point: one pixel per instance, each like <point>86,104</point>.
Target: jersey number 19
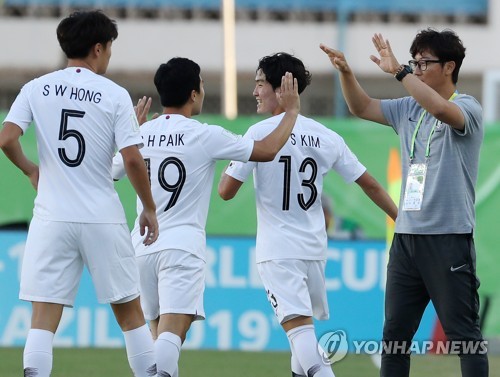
<point>176,187</point>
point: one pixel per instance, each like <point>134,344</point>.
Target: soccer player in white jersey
<point>80,119</point>
<point>181,154</point>
<point>291,235</point>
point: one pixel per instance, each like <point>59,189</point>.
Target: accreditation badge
<point>414,190</point>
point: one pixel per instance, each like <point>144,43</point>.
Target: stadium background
<point>234,296</point>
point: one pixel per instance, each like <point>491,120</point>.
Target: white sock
<point>37,357</point>
<point>167,351</point>
<point>296,367</point>
<point>140,351</point>
<point>305,348</point>
<point>297,370</point>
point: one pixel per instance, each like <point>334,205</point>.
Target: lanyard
<point>414,137</point>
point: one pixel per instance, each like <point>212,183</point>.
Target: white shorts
<point>172,282</point>
<point>295,287</point>
<point>57,251</point>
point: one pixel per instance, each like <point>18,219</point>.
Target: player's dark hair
<point>275,66</point>
<point>446,45</point>
<point>81,31</point>
<point>175,79</point>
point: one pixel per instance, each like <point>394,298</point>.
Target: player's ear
<point>99,48</point>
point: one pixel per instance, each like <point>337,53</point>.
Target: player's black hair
<point>446,45</point>
<point>175,80</point>
<point>82,30</point>
<point>275,66</point>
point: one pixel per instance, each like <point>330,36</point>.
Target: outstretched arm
<point>9,143</point>
<point>377,194</point>
<point>358,101</point>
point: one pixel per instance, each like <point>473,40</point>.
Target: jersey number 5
<point>64,134</point>
<point>309,183</point>
<point>176,187</point>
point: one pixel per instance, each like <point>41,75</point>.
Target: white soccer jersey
<point>290,220</point>
<point>80,119</point>
<point>180,154</point>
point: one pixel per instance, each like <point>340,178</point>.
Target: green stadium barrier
<point>237,217</point>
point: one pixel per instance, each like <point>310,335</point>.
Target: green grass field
<point>91,362</point>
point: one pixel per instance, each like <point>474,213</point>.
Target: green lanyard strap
<point>414,137</point>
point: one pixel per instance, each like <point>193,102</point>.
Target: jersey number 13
<point>309,182</point>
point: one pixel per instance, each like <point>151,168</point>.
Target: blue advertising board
<point>239,316</point>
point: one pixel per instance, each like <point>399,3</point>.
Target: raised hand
<point>142,110</point>
<point>288,96</point>
<point>387,61</point>
<point>336,57</point>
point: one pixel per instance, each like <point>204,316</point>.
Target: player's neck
<point>82,64</point>
<point>184,110</point>
<point>278,110</point>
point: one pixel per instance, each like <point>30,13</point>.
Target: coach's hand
<point>336,57</point>
<point>387,61</point>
